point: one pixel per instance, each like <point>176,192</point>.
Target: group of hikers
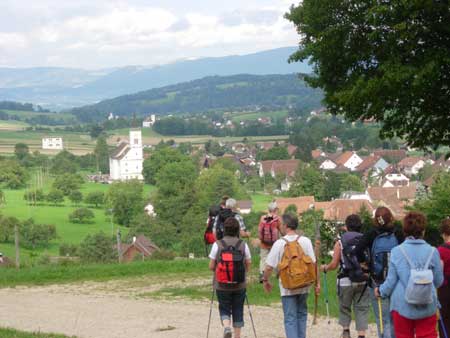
<point>389,267</point>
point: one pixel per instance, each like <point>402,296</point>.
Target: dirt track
<point>103,310</point>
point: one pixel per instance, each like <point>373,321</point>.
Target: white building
<point>52,143</point>
<point>349,159</point>
<point>149,121</point>
<point>126,161</point>
<point>328,165</point>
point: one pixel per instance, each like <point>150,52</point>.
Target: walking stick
<point>317,253</point>
<point>441,322</point>
<point>251,317</point>
<point>327,303</point>
<point>210,311</point>
<point>380,313</point>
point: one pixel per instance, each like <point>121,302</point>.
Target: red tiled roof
<point>402,193</point>
<point>247,204</point>
<point>291,149</point>
<point>367,163</point>
<point>340,209</point>
<point>302,203</point>
<point>286,167</point>
<point>316,153</point>
<point>344,157</point>
<point>396,155</point>
<point>410,161</point>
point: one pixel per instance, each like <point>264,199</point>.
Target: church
<point>126,161</point>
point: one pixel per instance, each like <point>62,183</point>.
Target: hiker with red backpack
<point>444,290</point>
<point>268,231</point>
<point>379,241</point>
<point>294,259</point>
<point>230,260</point>
<point>229,211</point>
<point>209,236</point>
<point>352,279</point>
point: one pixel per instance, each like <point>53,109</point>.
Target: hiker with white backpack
<point>268,232</point>
<point>379,242</point>
<point>352,279</point>
<point>415,271</point>
<point>294,259</point>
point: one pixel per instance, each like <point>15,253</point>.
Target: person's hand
<point>377,292</point>
<point>317,289</point>
<point>323,268</point>
<point>267,286</point>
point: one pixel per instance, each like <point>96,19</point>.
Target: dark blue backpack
<point>380,255</point>
<point>350,266</point>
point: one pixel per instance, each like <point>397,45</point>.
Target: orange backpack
<point>296,270</point>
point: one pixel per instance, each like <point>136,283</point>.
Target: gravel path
<point>93,311</point>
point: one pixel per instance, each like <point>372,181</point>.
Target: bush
<point>82,215</point>
<point>76,196</point>
<point>98,248</point>
<point>34,235</point>
<point>68,250</point>
<point>55,197</point>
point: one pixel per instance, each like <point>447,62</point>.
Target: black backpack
<point>350,265</point>
<point>224,214</point>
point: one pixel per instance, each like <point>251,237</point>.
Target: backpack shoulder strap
<point>430,257</point>
<point>410,263</point>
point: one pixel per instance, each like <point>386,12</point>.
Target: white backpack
<point>420,288</point>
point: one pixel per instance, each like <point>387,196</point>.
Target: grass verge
<point>10,333</point>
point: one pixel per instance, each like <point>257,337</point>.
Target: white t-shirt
<point>215,249</point>
<point>276,254</point>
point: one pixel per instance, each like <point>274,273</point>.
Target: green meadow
<point>10,333</point>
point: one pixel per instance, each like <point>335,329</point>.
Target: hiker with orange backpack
<point>268,231</point>
<point>230,260</point>
<point>293,257</point>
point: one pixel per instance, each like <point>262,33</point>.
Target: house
<point>292,150</point>
<point>150,210</point>
<point>278,167</point>
<point>372,163</point>
<point>394,198</point>
<point>392,155</point>
<point>354,195</point>
<point>339,209</point>
<point>394,180</point>
<point>349,159</point>
<point>411,165</point>
<point>245,207</point>
<point>140,248</point>
<point>317,153</point>
<point>327,164</point>
<point>149,121</point>
<point>127,159</point>
<point>302,203</point>
<point>52,143</point>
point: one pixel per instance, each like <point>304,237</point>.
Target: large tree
<point>126,200</point>
<point>382,60</point>
<point>101,152</point>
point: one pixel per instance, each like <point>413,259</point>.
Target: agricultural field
<point>249,116</point>
<point>67,232</point>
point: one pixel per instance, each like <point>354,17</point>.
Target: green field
<point>29,114</point>
<point>57,215</point>
<point>249,116</point>
<point>10,333</point>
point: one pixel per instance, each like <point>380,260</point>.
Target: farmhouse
<point>149,121</point>
<point>52,143</point>
<point>349,159</point>
<point>411,165</point>
<point>126,161</point>
<point>141,247</point>
<point>278,167</point>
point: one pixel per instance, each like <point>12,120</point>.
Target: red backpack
<point>230,269</point>
<point>209,236</point>
<point>268,230</point>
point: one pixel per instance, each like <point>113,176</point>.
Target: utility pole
<point>16,241</point>
<point>119,246</point>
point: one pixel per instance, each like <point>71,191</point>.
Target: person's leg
<point>290,316</point>
<point>389,331</point>
<point>361,306</point>
<point>404,327</point>
<point>302,314</point>
<point>374,301</point>
<point>426,327</point>
<point>225,300</point>
<point>444,298</point>
<point>345,309</point>
<point>238,311</point>
<point>263,253</point>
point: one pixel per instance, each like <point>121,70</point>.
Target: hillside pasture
<point>252,116</point>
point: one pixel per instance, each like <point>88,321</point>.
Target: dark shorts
<point>231,305</point>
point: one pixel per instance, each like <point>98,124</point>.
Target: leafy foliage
<point>76,196</point>
<point>97,248</point>
<point>81,215</point>
<point>68,183</point>
<point>34,235</point>
<point>126,201</point>
<point>388,61</point>
<point>101,152</point>
<point>158,160</point>
<point>95,197</point>
<point>55,196</point>
<point>12,174</point>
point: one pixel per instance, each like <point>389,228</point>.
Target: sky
<point>111,33</point>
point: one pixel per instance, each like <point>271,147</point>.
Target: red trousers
<point>414,328</point>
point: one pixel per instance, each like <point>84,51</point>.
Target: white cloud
<point>106,33</point>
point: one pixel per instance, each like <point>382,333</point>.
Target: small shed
<point>140,247</point>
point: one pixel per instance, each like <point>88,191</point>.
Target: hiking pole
<point>441,321</point>
<point>251,317</point>
<point>325,289</point>
<point>210,311</point>
<point>380,313</point>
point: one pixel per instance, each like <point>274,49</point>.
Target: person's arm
<point>243,233</point>
<point>271,262</point>
<point>248,265</point>
<point>336,260</point>
<point>212,264</point>
<point>386,289</point>
<point>248,258</point>
<point>213,257</point>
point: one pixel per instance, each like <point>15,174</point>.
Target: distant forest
<point>237,92</point>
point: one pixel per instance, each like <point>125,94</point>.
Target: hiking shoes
<point>346,334</point>
<point>227,332</point>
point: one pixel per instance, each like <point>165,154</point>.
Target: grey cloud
<point>180,25</point>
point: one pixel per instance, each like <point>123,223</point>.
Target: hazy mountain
<point>59,88</point>
<point>236,92</point>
